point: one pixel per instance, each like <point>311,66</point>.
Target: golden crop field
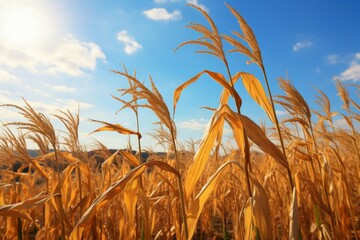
<point>298,178</point>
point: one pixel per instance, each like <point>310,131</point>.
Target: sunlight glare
<point>22,27</point>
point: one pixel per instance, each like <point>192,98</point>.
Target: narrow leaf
<point>112,191</point>
<point>294,218</point>
<point>219,78</point>
<point>262,213</point>
<point>202,155</point>
<point>256,91</point>
<point>256,134</point>
<point>130,157</point>
<point>198,203</point>
<point>29,203</point>
<point>114,128</point>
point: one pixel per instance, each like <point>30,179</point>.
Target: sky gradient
<point>59,55</point>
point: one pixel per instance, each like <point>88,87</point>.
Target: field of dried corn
<point>298,178</point>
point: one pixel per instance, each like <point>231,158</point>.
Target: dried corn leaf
<point>315,194</point>
<point>130,157</point>
<point>16,214</point>
<point>105,166</point>
<point>237,127</point>
<point>29,203</point>
<point>256,134</point>
<point>114,128</point>
<point>103,198</point>
<point>219,78</point>
<point>261,208</point>
<point>202,155</point>
<point>248,219</point>
<point>149,215</point>
<point>112,191</point>
<point>68,156</point>
<point>294,218</point>
<point>58,205</point>
<point>256,91</point>
<point>130,200</point>
<point>197,205</point>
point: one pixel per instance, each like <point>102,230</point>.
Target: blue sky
<point>59,54</point>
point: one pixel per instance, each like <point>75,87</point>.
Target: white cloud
<point>131,46</point>
<point>300,45</point>
<point>353,71</point>
<point>332,59</point>
<point>46,106</point>
<point>6,77</point>
<point>67,56</point>
<point>59,104</point>
<point>61,88</point>
<point>73,105</point>
<point>8,115</point>
<point>161,14</point>
<point>72,56</point>
<point>280,112</point>
<point>165,1</point>
<point>194,124</point>
<point>342,124</point>
<point>196,3</point>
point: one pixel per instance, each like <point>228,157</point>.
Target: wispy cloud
<point>196,3</point>
<point>333,59</point>
<point>73,104</point>
<point>61,88</point>
<point>353,71</point>
<point>342,124</point>
<point>72,56</point>
<point>7,114</point>
<point>301,45</point>
<point>47,106</point>
<point>193,124</point>
<point>6,77</point>
<point>165,1</point>
<point>59,104</point>
<point>68,56</point>
<point>161,14</point>
<point>281,112</point>
<point>131,45</point>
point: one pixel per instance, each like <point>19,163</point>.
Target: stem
<point>181,191</point>
<point>80,189</point>
<point>19,229</point>
<point>247,164</point>
<point>142,231</point>
<point>278,127</point>
<point>60,196</point>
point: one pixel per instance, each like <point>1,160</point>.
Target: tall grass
<point>296,179</point>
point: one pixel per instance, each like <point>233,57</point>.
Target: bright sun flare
<point>22,26</point>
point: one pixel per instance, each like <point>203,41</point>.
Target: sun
<point>22,26</point>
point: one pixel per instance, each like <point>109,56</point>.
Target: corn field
<point>297,178</point>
